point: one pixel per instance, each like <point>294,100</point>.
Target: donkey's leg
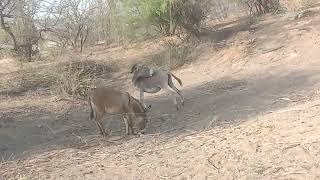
<point>142,98</point>
<point>98,120</point>
<point>176,90</point>
<point>125,118</point>
<point>129,125</point>
<point>179,93</point>
<point>173,95</point>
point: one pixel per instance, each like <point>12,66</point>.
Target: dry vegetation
<point>252,106</point>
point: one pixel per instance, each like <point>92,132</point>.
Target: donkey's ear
<point>133,68</point>
<point>147,109</point>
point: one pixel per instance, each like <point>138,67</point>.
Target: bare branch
<point>6,15</point>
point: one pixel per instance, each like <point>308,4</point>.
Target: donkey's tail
<point>179,80</point>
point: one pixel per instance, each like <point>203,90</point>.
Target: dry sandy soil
<point>252,111</point>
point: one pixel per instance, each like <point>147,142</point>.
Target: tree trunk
<point>8,30</point>
<point>83,38</point>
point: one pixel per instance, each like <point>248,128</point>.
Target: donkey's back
<point>110,100</point>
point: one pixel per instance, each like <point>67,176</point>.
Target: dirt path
<point>246,116</point>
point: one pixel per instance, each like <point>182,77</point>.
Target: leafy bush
<point>165,15</point>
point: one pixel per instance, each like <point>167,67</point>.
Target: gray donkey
<point>152,81</point>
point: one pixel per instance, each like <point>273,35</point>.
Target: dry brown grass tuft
<point>174,55</point>
<point>77,77</point>
<point>71,78</point>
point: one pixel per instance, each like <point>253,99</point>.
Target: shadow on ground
<point>223,101</point>
<point>229,30</point>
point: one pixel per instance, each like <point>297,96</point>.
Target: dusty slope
<point>252,111</point>
<point>279,145</point>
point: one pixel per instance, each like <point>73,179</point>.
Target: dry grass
<point>73,78</point>
<point>77,77</point>
<point>294,5</point>
<point>174,55</point>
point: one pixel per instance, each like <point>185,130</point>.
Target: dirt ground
<point>251,112</point>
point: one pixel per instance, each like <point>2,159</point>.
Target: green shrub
<point>164,15</point>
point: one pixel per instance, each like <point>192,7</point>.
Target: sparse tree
<point>6,15</point>
<point>17,19</point>
<point>71,22</point>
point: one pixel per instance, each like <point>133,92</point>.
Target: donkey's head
<point>140,112</point>
<point>136,67</point>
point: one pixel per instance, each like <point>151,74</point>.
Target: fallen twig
<point>211,163</point>
<point>170,177</point>
<point>214,119</point>
<point>273,49</point>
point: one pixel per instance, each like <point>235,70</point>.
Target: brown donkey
<point>111,101</point>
